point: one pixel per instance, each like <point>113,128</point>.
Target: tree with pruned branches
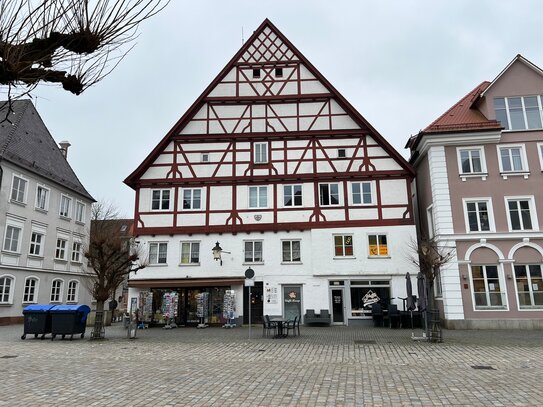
<point>72,43</point>
<point>111,256</point>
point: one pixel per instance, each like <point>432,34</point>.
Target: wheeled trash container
<point>69,320</point>
<point>37,320</point>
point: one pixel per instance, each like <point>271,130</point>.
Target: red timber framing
<point>262,96</point>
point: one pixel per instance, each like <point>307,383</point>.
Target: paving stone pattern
<point>333,366</point>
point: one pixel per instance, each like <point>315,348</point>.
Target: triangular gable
<point>267,48</point>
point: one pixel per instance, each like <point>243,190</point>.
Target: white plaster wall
<point>156,173</point>
<point>393,192</point>
<point>157,219</point>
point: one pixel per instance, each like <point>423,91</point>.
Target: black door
<point>337,306</point>
<point>257,303</point>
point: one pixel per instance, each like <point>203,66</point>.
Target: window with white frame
<point>529,286</point>
<point>65,206</point>
<point>430,220</point>
<point>362,193</point>
<point>438,287</point>
<point>73,291</point>
<point>18,189</point>
<point>158,252</point>
<point>260,153</point>
<point>80,212</point>
<point>291,251</point>
<point>42,198</point>
<point>56,291</point>
<point>160,199</point>
<point>488,290</point>
<point>329,194</point>
<point>253,251</point>
<point>190,252</point>
<point>512,158</point>
<point>76,252</point>
<point>6,289</point>
<point>540,153</point>
<point>519,112</point>
<point>30,290</point>
<point>60,250</point>
<point>192,198</point>
<point>36,243</point>
<point>258,197</point>
<point>292,195</point>
<point>521,213</point>
<point>478,217</point>
<point>471,160</point>
<point>377,245</point>
<point>12,238</point>
<point>343,246</point>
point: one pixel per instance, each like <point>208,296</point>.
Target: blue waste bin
<point>69,320</point>
<point>37,320</point>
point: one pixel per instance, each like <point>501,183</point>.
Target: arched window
<point>56,290</point>
<point>73,291</point>
<point>30,294</point>
<point>7,283</point>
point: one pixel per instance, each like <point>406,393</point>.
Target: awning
<point>186,282</point>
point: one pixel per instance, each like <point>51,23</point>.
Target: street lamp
<point>217,250</point>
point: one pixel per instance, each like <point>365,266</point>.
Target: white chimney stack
<point>64,148</point>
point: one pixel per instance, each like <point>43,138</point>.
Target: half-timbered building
<point>274,167</point>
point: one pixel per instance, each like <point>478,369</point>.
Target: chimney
<point>64,148</point>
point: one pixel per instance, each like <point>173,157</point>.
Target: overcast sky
<point>401,63</point>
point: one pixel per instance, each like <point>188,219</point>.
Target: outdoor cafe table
<point>280,327</point>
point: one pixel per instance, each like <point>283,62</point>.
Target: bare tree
<point>111,257</point>
<point>74,43</point>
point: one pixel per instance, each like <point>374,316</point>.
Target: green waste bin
<point>69,320</point>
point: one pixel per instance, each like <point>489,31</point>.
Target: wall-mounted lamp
<point>217,250</point>
<point>464,276</point>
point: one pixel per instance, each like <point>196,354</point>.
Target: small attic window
<point>205,157</point>
<point>256,72</point>
<point>341,153</point>
<point>278,72</point>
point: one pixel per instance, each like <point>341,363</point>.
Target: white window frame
<point>10,292</point>
<point>524,160</point>
<point>533,212</point>
<point>530,286</point>
<point>489,208</point>
<point>57,293</point>
<point>34,298</point>
<point>80,211</point>
<point>438,283</point>
<point>253,259</point>
<point>25,189</point>
<point>157,261</point>
<point>508,126</point>
<point>260,191</point>
<point>18,240</point>
<point>540,154</point>
<point>46,201</point>
<point>377,239</point>
<point>344,237</point>
<point>72,294</point>
<point>65,214</point>
<point>76,255</point>
<point>430,221</point>
<point>372,193</point>
<point>463,175</point>
<point>40,245</point>
<point>60,249</point>
<point>161,199</point>
<point>291,251</point>
<point>191,244</point>
<point>191,199</point>
<point>259,156</point>
<point>330,194</point>
<point>503,289</point>
<point>293,196</point>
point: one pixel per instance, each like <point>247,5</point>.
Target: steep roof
<point>26,142</point>
<point>248,54</point>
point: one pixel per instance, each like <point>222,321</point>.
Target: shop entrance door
<point>257,303</point>
<point>292,301</point>
<point>338,308</point>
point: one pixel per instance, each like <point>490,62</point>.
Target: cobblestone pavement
<point>325,366</point>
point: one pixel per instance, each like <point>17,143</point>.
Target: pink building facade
<point>479,189</point>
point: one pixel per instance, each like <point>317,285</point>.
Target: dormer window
<point>256,73</point>
<point>519,112</point>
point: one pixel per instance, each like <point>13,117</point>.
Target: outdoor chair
<point>393,316</point>
<point>291,326</point>
<point>377,314</point>
<point>268,326</point>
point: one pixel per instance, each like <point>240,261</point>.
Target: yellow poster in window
<point>374,250</point>
<point>383,251</point>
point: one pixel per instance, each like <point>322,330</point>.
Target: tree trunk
<point>98,331</point>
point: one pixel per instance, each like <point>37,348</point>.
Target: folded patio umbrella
<point>409,291</point>
<point>421,287</point>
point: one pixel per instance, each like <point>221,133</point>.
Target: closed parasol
<point>409,290</point>
<point>421,287</point>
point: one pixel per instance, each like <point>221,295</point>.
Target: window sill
<point>189,264</point>
<point>344,257</point>
<point>6,304</point>
<point>252,263</point>
<point>506,175</point>
<point>78,222</point>
<point>19,203</point>
<point>482,175</point>
<point>286,263</point>
<point>78,263</point>
<point>44,211</point>
<point>158,265</point>
<point>11,253</point>
<point>379,257</point>
<point>66,218</point>
<point>35,256</point>
<point>61,260</point>
<point>491,309</point>
<point>29,302</point>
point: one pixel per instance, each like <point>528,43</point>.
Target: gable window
<point>521,214</point>
<point>258,197</point>
<point>378,245</point>
<point>158,252</point>
<point>30,290</point>
<point>471,160</point>
<point>361,193</point>
<point>519,112</point>
<point>18,189</point>
<point>512,158</point>
<point>205,157</point>
<point>343,245</point>
<point>341,153</point>
<point>292,195</point>
<point>42,198</point>
<point>73,288</point>
<point>36,243</point>
<point>56,291</point>
<point>278,72</point>
<point>160,200</point>
<point>478,215</point>
<point>190,253</point>
<point>60,251</point>
<point>291,251</point>
<point>65,206</point>
<point>192,198</point>
<point>487,288</point>
<point>253,251</point>
<point>80,212</point>
<point>529,286</point>
<point>256,73</point>
<point>76,252</point>
<point>329,194</point>
<point>260,153</point>
<point>11,240</point>
<point>6,289</point>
